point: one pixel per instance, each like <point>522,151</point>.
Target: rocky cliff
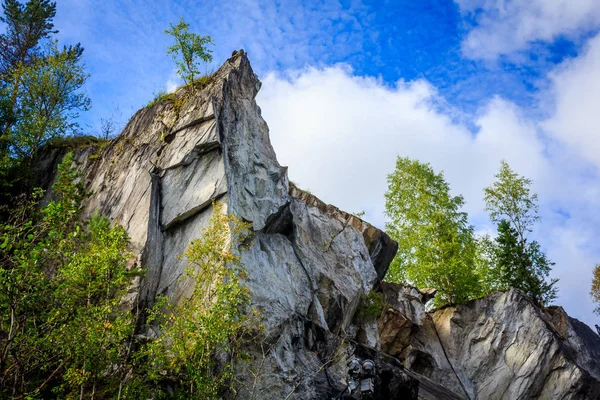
<point>498,347</point>
<point>309,264</point>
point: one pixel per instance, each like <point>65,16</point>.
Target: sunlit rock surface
<point>498,347</point>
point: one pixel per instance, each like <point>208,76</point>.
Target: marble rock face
<point>499,347</point>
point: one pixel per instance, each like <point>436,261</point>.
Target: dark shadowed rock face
<point>308,263</point>
<point>498,347</point>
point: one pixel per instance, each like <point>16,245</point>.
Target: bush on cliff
<point>202,335</point>
<point>61,283</point>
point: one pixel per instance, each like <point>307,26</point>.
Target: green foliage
<point>595,290</point>
<point>90,288</point>
<point>64,332</point>
<point>523,265</point>
<point>26,25</point>
<point>215,319</point>
<point>510,198</point>
<point>436,243</point>
<point>370,307</point>
<point>74,142</point>
<point>189,49</point>
<point>486,265</point>
<point>40,90</point>
<point>520,262</point>
<point>60,290</point>
<point>48,99</point>
<point>203,80</point>
<point>158,97</point>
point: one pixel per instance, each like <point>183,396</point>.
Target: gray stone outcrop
<point>308,264</point>
<point>499,347</point>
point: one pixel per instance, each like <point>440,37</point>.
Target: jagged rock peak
<point>308,263</point>
<point>502,346</point>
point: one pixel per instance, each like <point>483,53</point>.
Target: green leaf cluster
<point>371,306</point>
<point>61,285</point>
<point>47,99</point>
<point>188,51</point>
<point>202,335</point>
<point>595,289</point>
<point>436,245</point>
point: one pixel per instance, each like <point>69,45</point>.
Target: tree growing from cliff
<point>189,50</point>
<point>436,244</point>
<point>61,285</point>
<point>521,262</point>
<point>203,333</point>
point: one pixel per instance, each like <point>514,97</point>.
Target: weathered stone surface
<point>498,347</point>
<point>380,246</point>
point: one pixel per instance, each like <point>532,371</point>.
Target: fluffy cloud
<point>505,26</point>
<point>576,96</point>
<point>340,135</point>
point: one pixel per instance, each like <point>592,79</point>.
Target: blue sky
<point>393,40</point>
<point>350,85</point>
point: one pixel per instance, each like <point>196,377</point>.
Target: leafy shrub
<point>158,97</point>
<point>64,332</point>
<point>371,306</point>
<point>60,290</point>
<point>210,325</point>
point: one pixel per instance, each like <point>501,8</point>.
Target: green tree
<point>436,244</point>
<point>189,49</point>
<point>26,26</point>
<point>40,90</point>
<point>523,266</point>
<point>521,262</point>
<point>61,285</point>
<point>49,99</point>
<point>595,290</point>
<point>216,319</point>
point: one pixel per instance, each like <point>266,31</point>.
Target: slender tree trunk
<point>13,104</point>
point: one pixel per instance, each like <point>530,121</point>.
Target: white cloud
<point>340,135</point>
<point>173,82</point>
<point>576,119</point>
<point>172,85</point>
<point>506,26</point>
